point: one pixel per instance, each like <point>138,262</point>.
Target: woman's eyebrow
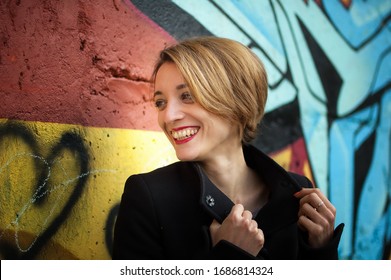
<point>181,86</point>
<point>178,87</point>
<point>157,93</point>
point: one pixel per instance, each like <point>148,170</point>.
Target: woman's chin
<point>186,156</point>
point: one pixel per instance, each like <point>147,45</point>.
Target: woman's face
<point>195,134</point>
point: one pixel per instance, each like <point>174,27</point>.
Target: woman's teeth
<point>183,134</point>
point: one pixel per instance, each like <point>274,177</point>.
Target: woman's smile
<point>185,134</point>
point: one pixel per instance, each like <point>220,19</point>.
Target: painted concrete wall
<point>76,121</point>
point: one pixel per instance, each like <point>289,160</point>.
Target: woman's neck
<point>236,180</point>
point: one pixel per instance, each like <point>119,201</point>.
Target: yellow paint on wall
<point>283,158</point>
<point>60,185</point>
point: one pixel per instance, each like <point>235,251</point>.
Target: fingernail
<point>296,194</point>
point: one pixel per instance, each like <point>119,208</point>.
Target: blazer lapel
<point>212,200</point>
<point>274,216</point>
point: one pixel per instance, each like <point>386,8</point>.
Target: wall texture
<point>76,121</point>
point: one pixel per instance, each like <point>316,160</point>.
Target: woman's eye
<point>187,97</point>
<point>159,104</point>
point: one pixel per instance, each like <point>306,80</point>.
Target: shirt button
<point>210,200</point>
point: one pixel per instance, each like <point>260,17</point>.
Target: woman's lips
<point>183,135</point>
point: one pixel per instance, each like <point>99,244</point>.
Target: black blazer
<point>165,214</point>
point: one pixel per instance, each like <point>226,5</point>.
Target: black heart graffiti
<point>69,141</point>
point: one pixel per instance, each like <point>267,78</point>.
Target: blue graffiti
<point>336,62</point>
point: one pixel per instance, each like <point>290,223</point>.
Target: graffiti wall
<point>76,121</point>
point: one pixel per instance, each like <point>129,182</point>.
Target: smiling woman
<point>224,199</point>
<point>195,133</point>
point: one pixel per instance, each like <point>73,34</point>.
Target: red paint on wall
<point>299,158</point>
<point>78,62</point>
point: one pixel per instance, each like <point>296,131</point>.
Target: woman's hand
<point>316,216</point>
<point>239,229</point>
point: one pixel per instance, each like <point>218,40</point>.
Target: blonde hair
<point>225,77</point>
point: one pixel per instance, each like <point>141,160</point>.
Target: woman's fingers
<point>316,216</point>
<point>239,229</point>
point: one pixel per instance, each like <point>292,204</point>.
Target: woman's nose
<point>173,112</point>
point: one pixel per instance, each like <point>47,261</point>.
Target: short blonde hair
<point>224,76</point>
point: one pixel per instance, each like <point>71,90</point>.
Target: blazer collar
<point>281,208</point>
